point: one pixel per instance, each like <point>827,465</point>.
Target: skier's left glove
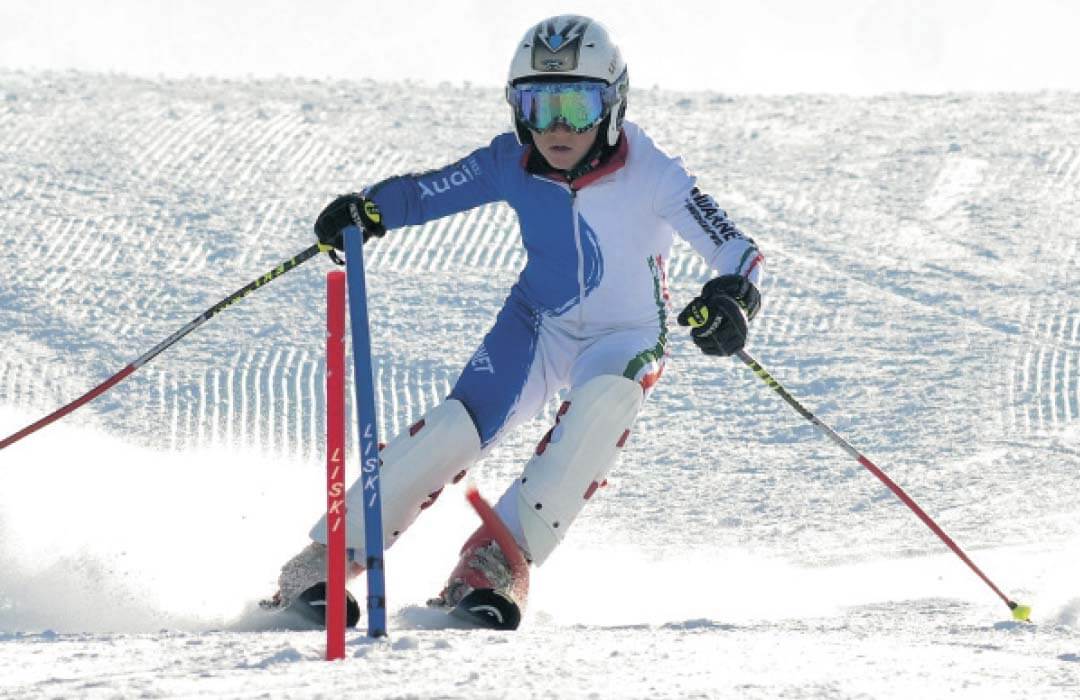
<point>720,316</point>
<point>349,210</point>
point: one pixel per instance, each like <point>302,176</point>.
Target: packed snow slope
<point>922,297</point>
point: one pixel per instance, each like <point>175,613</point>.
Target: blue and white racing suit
<point>592,298</point>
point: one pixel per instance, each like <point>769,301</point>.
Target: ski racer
<point>598,203</point>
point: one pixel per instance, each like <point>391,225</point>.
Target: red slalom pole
<point>335,465</point>
<point>1019,612</point>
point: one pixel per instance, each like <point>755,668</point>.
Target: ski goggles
<point>580,106</point>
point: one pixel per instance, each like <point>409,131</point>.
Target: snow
<point>764,47</point>
<point>921,298</point>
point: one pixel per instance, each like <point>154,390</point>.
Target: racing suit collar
<point>595,166</point>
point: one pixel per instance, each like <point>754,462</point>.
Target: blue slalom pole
<point>369,433</point>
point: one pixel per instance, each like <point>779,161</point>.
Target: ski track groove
<point>269,221</point>
<point>160,153</point>
<point>224,172</point>
<point>292,158</point>
<point>259,411</point>
<point>299,156</point>
<point>283,390</point>
<point>219,170</point>
<point>273,140</point>
<point>151,142</point>
<point>1034,398</point>
<point>187,152</point>
<point>272,403</point>
<point>62,241</point>
<point>229,402</point>
<point>25,134</point>
<point>287,401</point>
<point>1064,168</point>
<point>302,169</point>
<point>314,397</point>
<point>244,419</point>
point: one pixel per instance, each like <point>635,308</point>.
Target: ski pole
<point>1019,612</point>
<point>171,340</point>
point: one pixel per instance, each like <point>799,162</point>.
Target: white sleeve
<point>700,221</point>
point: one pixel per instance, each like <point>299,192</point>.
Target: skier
<point>597,202</point>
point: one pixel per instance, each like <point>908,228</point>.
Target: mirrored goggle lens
<point>579,106</point>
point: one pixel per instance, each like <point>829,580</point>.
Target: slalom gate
<point>335,465</point>
<point>336,508</point>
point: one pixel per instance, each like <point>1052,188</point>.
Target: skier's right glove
<point>720,316</point>
<point>348,210</point>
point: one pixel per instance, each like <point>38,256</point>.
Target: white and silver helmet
<point>570,48</point>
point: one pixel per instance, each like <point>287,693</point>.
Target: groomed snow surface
<point>922,297</point>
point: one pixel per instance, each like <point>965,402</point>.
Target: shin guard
<point>570,463</point>
<point>416,466</point>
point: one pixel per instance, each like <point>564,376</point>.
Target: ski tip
<point>488,609</point>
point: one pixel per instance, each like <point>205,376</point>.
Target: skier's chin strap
<point>597,157</point>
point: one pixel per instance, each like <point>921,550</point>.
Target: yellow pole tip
<point>1022,613</point>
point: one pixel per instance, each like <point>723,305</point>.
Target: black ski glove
<point>721,314</point>
<point>348,210</point>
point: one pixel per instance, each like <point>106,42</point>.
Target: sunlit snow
<point>922,297</point>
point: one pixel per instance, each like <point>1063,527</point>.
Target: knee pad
<point>570,462</point>
<point>415,467</point>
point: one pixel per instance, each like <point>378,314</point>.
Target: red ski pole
<point>1019,612</point>
<point>168,342</point>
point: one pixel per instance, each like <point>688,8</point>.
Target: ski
<point>487,608</point>
<point>309,608</point>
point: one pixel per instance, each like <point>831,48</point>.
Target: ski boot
<point>487,588</point>
<point>302,587</point>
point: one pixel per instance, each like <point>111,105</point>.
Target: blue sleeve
<point>476,179</point>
